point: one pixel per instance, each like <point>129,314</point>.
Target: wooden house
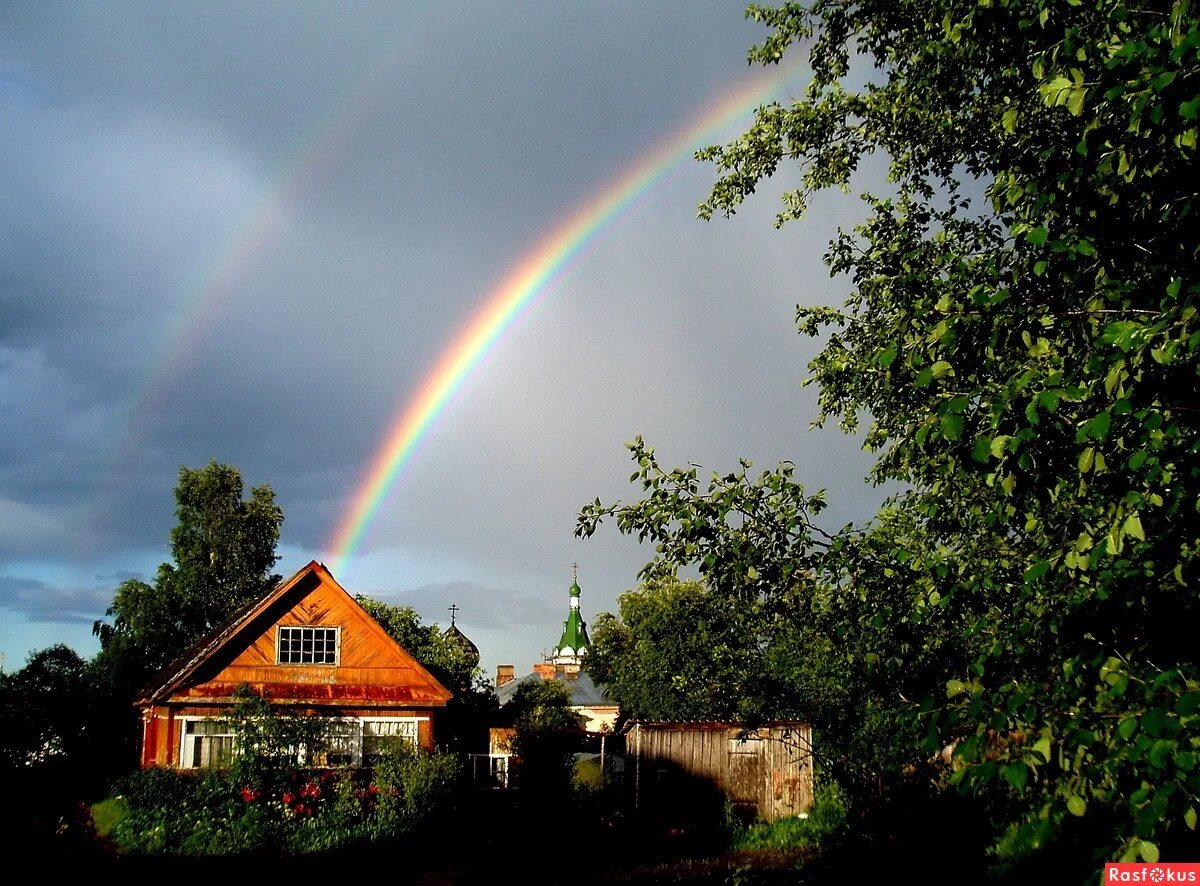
<point>675,769</point>
<point>309,649</point>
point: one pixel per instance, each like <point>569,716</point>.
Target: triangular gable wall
<point>371,669</point>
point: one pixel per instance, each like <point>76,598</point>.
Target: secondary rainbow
<point>532,277</point>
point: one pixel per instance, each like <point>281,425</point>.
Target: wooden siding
<point>766,774</point>
<point>371,667</point>
<point>373,677</point>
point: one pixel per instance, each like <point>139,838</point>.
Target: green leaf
<point>1188,109</point>
<point>1016,774</point>
<point>1162,81</point>
<point>1076,805</point>
<point>1188,703</point>
<point>1133,527</point>
<point>1189,817</point>
<point>979,452</point>
<point>1127,728</point>
<point>1148,851</point>
<point>1037,236</point>
<point>1042,746</point>
<point>887,356</point>
<point>998,445</point>
<point>1095,428</point>
<point>1075,102</point>
<point>1086,458</point>
<point>952,426</point>
<point>1009,120</point>
<point>1052,91</point>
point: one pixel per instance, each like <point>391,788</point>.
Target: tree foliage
<point>43,709</point>
<point>223,552</point>
<point>544,740</point>
<point>453,663</point>
<point>1022,339</point>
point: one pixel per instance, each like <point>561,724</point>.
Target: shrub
<point>825,822</point>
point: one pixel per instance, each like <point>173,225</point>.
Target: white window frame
<point>337,645</point>
<point>186,757</point>
<point>357,753</point>
<point>187,761</point>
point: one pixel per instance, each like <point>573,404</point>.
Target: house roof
<point>585,692</point>
<point>176,674</point>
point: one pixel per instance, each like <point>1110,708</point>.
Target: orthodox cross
<point>453,609</point>
<point>575,572</point>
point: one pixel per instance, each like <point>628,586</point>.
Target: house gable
<point>370,669</point>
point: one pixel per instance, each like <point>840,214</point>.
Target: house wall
<point>162,726</point>
<point>767,775</point>
<point>599,718</point>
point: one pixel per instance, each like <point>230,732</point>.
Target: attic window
<point>299,645</point>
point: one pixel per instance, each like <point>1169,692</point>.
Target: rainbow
<point>207,293</point>
<point>533,276</point>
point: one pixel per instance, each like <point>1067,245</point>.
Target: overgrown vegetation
<point>1021,344</point>
<point>265,801</point>
<point>824,823</point>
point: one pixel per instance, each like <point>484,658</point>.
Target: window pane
<point>305,645</point>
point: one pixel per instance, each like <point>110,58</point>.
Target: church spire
<point>574,642</point>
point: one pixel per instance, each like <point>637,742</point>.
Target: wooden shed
<point>307,647</point>
<point>765,773</point>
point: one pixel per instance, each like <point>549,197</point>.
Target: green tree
<point>544,739</point>
<point>44,709</point>
<point>676,652</point>
<point>1022,339</point>
<point>449,660</point>
<point>223,548</point>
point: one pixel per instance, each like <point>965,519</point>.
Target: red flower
<point>287,798</point>
<point>249,794</point>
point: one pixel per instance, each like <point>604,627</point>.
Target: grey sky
<point>367,174</point>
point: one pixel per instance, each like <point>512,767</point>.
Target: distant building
<point>454,633</point>
<point>566,665</point>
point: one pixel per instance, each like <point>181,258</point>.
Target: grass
<point>107,813</point>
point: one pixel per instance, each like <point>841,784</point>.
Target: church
<point>567,665</point>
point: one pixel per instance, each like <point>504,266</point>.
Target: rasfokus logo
<point>1154,873</point>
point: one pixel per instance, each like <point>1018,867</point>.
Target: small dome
<point>472,651</point>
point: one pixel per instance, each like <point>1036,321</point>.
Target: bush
<point>215,813</point>
<point>825,821</point>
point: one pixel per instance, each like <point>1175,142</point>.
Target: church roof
<point>455,633</point>
<point>574,635</point>
<point>574,640</point>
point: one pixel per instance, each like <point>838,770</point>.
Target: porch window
<point>303,645</point>
<point>348,741</point>
<point>207,743</point>
<point>379,735</point>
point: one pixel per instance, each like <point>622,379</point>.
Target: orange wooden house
<point>309,648</point>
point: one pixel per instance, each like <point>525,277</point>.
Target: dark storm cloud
<point>41,602</point>
<point>248,231</point>
<point>478,604</point>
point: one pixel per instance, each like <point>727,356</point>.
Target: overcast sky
<point>247,231</point>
